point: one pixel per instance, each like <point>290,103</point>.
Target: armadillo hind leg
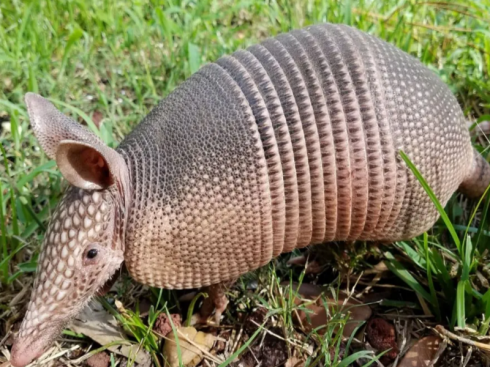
<point>216,301</point>
<point>478,178</point>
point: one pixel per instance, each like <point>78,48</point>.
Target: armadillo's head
<point>84,243</point>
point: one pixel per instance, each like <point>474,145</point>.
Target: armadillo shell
<point>292,142</point>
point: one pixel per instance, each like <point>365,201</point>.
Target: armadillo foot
<point>216,301</point>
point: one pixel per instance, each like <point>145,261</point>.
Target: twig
<point>57,355</point>
<point>450,335</point>
<point>468,356</point>
<point>98,350</point>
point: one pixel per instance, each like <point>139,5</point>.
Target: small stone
<point>101,359</point>
<point>382,336</point>
<point>163,326</point>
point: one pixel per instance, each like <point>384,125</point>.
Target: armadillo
<point>292,142</point>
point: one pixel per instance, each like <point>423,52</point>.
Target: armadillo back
<point>292,142</point>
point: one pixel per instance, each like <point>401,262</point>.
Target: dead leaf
<point>318,315</point>
<point>97,117</point>
<point>100,326</point>
<point>294,362</point>
<point>193,345</point>
<point>421,353</point>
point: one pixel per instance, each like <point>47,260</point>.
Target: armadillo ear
<point>86,166</point>
<point>51,126</point>
<point>84,160</point>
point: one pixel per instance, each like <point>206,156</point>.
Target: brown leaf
<point>294,362</point>
<point>101,326</point>
<point>193,344</point>
<point>97,117</point>
<point>421,353</point>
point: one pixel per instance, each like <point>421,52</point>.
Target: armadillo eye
<point>91,254</point>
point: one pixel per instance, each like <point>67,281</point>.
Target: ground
<point>108,63</point>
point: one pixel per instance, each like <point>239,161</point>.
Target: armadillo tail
<point>478,178</point>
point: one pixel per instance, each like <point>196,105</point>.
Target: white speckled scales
<point>291,142</point>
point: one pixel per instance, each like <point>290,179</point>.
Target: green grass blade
<point>435,302</point>
<point>75,35</point>
<point>9,257</point>
<point>414,255</point>
<point>192,305</point>
<point>176,337</point>
<point>468,250</point>
<point>443,277</point>
<point>347,12</point>
<point>350,360</point>
<point>13,207</point>
<point>398,269</point>
<point>4,267</point>
<point>486,301</point>
<point>475,210</point>
<point>354,357</point>
<point>194,57</point>
<point>460,304</point>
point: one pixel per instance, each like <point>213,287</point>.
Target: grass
<point>108,63</point>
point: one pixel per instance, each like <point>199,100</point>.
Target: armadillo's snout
<point>25,350</point>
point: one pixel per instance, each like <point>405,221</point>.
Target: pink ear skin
<point>83,166</point>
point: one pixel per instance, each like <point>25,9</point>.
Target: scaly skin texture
<point>301,132</point>
<point>292,142</point>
